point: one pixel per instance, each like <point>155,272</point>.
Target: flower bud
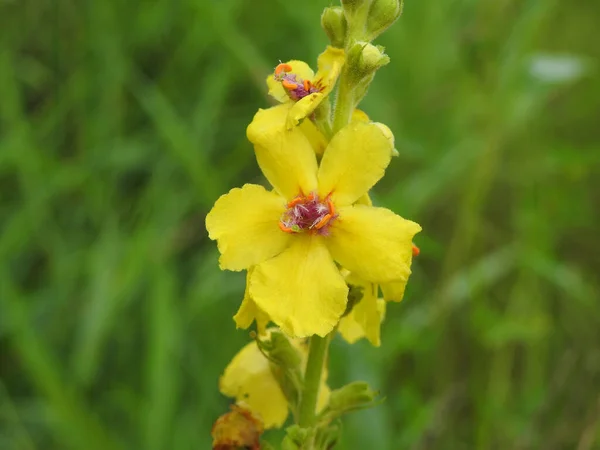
<point>352,5</point>
<point>281,351</point>
<point>334,24</point>
<point>364,59</point>
<point>353,396</point>
<point>295,438</point>
<point>382,15</point>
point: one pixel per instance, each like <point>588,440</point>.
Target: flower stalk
<point>317,355</point>
<point>316,250</point>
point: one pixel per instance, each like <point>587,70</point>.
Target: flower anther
<point>295,87</point>
<point>307,213</point>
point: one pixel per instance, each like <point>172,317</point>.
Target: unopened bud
<point>350,6</point>
<point>295,438</point>
<point>382,15</point>
<point>281,351</point>
<point>335,25</point>
<point>355,395</point>
<point>364,59</point>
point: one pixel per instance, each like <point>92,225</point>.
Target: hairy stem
<point>312,380</point>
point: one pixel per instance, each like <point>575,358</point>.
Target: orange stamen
<point>415,250</point>
<point>323,221</point>
<point>306,85</point>
<point>282,68</point>
<point>282,227</point>
<point>310,197</point>
<point>289,85</point>
<point>331,207</point>
<point>295,202</point>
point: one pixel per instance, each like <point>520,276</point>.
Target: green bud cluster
<point>353,26</point>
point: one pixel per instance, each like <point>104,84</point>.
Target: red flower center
<point>308,213</point>
<point>295,86</point>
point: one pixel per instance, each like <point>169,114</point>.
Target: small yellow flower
<point>295,82</point>
<point>293,234</point>
<point>249,379</point>
<point>249,311</point>
<point>366,316</point>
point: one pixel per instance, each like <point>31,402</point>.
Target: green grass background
<point>122,121</point>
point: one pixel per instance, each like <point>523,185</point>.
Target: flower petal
<point>303,108</point>
<point>301,290</point>
<point>276,90</point>
<point>359,115</point>
<point>249,312</point>
<point>373,243</point>
<point>244,222</point>
<point>329,64</point>
<point>284,156</point>
<point>365,318</point>
<point>248,378</point>
<point>317,140</point>
<point>394,290</point>
<point>354,161</point>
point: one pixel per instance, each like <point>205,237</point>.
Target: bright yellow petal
<point>303,108</point>
<point>329,64</point>
<point>301,290</point>
<point>365,318</point>
<point>394,290</point>
<point>364,200</point>
<point>360,116</point>
<point>249,312</point>
<point>354,161</point>
<point>373,243</point>
<point>302,71</point>
<point>284,156</point>
<point>248,378</point>
<point>244,222</point>
<point>316,138</point>
<point>388,134</point>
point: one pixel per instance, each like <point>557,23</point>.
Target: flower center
<point>308,213</point>
<point>296,87</point>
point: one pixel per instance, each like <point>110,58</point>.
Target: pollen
<point>308,213</point>
<point>415,250</point>
<point>295,87</point>
<point>282,68</point>
<point>289,85</point>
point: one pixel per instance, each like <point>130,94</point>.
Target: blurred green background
<point>122,121</point>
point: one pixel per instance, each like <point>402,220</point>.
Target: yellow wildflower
<point>249,311</point>
<point>366,316</point>
<point>249,379</point>
<point>293,234</point>
<point>295,82</point>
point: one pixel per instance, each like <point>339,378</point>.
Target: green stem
<point>344,103</point>
<point>317,353</point>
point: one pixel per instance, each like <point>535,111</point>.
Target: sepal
<point>335,26</point>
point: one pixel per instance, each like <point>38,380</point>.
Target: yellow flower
<point>293,234</point>
<point>295,82</point>
<point>366,316</point>
<point>249,311</point>
<point>249,379</point>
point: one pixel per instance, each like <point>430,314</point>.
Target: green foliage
<point>122,122</point>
